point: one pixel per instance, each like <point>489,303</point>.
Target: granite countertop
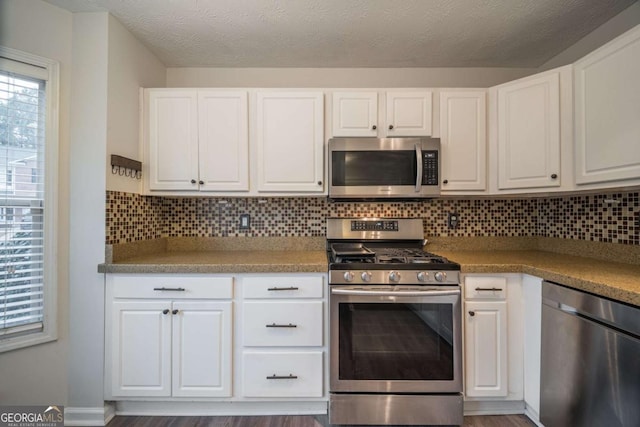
<point>238,261</point>
<point>617,281</point>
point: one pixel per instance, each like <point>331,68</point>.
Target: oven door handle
<point>419,168</point>
<point>395,293</point>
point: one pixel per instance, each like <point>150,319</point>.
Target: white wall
<point>131,66</point>
<point>38,375</point>
<point>87,170</point>
<point>342,77</point>
<point>625,20</point>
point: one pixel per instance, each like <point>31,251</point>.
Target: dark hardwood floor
<point>291,421</point>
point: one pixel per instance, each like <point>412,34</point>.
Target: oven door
<point>395,339</point>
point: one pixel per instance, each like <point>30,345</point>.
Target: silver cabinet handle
<point>169,289</point>
<point>274,325</point>
<point>488,289</point>
<point>282,377</point>
<point>290,288</point>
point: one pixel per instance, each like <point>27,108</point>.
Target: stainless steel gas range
<point>395,326</point>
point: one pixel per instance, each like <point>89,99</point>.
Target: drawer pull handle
<point>282,377</point>
<point>472,313</point>
<point>274,325</point>
<point>489,289</point>
<point>175,311</point>
<point>165,311</point>
<point>290,288</point>
<point>169,289</point>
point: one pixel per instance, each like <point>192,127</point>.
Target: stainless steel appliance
<point>590,373</point>
<point>384,168</point>
<point>395,326</point>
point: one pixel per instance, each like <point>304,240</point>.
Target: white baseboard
<point>533,416</point>
<point>83,416</point>
<point>493,407</point>
<point>142,408</point>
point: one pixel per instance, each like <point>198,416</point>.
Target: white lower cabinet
<point>493,343</point>
<point>169,346</point>
<point>284,336</point>
<point>175,339</point>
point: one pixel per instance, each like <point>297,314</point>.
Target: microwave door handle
<point>419,168</point>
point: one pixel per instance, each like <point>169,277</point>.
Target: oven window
<point>362,168</point>
<point>395,341</point>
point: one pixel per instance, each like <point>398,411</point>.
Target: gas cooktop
<point>384,251</point>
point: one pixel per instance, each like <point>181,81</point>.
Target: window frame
<point>49,332</point>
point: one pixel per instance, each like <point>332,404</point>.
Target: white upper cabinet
<point>607,112</point>
<point>406,113</point>
<point>528,132</point>
<point>290,139</point>
<point>355,114</point>
<point>197,140</point>
<point>173,139</point>
<point>463,138</point>
<point>224,141</point>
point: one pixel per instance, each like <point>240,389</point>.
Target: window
<point>28,157</point>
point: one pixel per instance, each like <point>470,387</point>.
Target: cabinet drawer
<point>282,287</point>
<point>282,374</point>
<point>480,287</point>
<point>282,324</point>
<point>171,286</point>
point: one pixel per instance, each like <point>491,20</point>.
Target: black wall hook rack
<point>124,166</point>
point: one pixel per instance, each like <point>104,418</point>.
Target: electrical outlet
<point>245,221</point>
<point>452,219</point>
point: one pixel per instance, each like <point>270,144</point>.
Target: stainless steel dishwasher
<point>590,373</point>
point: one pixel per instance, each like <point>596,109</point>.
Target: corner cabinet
<point>463,139</point>
<point>607,112</point>
<point>406,113</point>
<point>197,140</point>
<point>168,336</point>
<point>290,138</point>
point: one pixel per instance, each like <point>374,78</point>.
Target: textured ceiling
<point>355,33</point>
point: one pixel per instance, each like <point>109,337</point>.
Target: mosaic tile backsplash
<point>610,217</point>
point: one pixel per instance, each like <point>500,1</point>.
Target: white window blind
<point>22,183</point>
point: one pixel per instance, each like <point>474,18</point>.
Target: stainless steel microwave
<point>384,168</point>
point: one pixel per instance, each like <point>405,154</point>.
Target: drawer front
<point>481,287</point>
<point>282,374</point>
<point>167,286</point>
<point>282,324</point>
<point>282,287</point>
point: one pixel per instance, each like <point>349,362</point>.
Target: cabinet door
<point>141,348</point>
<point>223,141</point>
<point>607,112</point>
<point>202,348</point>
<point>290,131</point>
<point>173,139</point>
<point>409,114</point>
<point>529,132</point>
<point>355,114</point>
<point>486,348</point>
<point>463,138</point>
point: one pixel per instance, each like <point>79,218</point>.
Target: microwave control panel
<point>430,167</point>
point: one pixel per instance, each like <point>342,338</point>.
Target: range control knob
<point>423,276</point>
<point>394,276</point>
<point>348,276</point>
<point>366,276</point>
<point>440,276</point>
